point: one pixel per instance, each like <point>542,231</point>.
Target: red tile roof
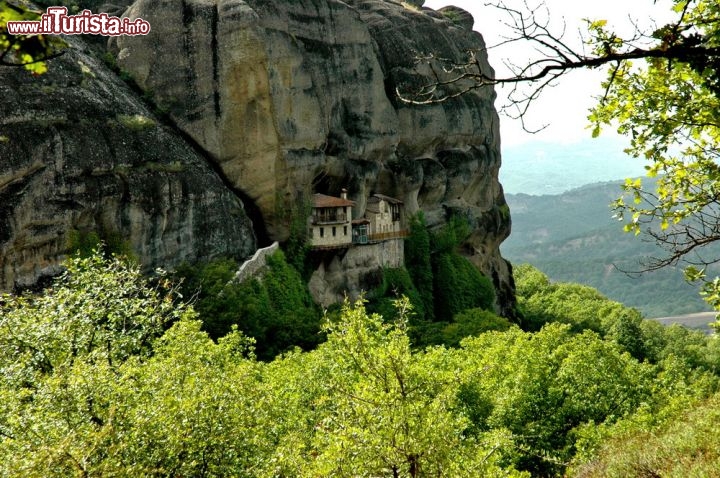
<point>386,199</point>
<point>321,200</point>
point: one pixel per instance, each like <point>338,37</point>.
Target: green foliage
<point>472,322</point>
<point>450,236</point>
<point>451,15</point>
<point>136,123</point>
<point>669,109</point>
<point>542,386</point>
<point>29,51</point>
<point>93,382</point>
<point>396,282</point>
<point>417,262</point>
<point>440,284</point>
<point>89,388</point>
<point>687,445</point>
<point>296,318</point>
<point>277,310</point>
<point>294,214</point>
<point>446,284</point>
<point>458,286</point>
<point>392,411</point>
<point>584,308</point>
<point>625,329</point>
<point>185,405</point>
<point>85,244</point>
<point>98,310</point>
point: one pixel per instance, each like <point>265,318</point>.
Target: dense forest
<point>109,374</point>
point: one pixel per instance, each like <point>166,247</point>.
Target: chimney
<point>343,193</point>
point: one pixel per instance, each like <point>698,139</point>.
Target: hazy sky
<point>565,106</point>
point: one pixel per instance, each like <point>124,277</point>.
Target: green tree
<point>395,283</point>
<point>472,322</point>
<point>669,109</point>
<point>275,309</point>
<point>392,411</point>
<point>105,374</point>
<point>418,264</point>
<point>457,284</point>
<point>28,51</point>
<point>98,308</point>
<point>545,386</point>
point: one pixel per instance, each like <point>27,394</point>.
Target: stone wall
<point>258,261</point>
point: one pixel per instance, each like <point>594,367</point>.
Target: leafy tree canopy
<point>107,375</point>
<point>28,51</point>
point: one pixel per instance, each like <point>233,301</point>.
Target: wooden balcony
<point>325,247</point>
<point>385,236</point>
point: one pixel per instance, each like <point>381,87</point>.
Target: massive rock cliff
<point>267,100</point>
<point>80,154</point>
<point>294,97</point>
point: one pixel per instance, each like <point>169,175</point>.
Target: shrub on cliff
<point>459,286</point>
<point>276,310</point>
<point>418,264</point>
<point>396,282</point>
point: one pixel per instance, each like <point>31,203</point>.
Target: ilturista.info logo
<point>56,21</point>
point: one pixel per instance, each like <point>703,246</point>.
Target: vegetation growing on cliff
<point>444,284</point>
<point>277,311</point>
<point>105,375</point>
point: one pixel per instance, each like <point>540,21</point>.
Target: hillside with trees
<point>107,374</point>
<point>574,238</point>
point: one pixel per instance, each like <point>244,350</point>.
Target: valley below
<point>573,237</point>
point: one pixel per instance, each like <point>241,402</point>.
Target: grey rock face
<point>80,153</point>
<point>296,97</point>
<point>345,273</point>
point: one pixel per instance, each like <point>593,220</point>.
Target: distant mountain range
<point>549,168</point>
<point>572,237</point>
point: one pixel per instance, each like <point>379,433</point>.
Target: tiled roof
<point>373,203</point>
<point>321,200</point>
<point>386,198</point>
<point>362,220</point>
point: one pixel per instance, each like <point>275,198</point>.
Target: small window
<point>322,232</point>
<point>334,231</point>
<point>344,230</point>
